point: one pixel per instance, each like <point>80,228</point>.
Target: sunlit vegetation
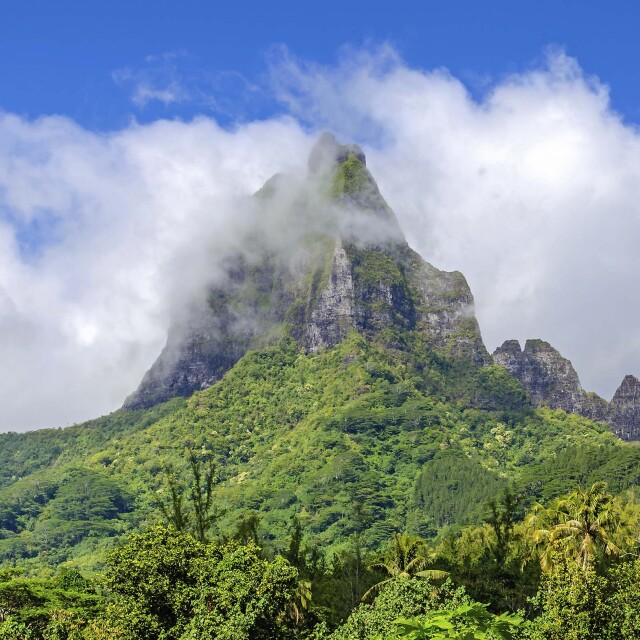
<point>490,581</point>
<point>365,492</point>
<point>355,440</point>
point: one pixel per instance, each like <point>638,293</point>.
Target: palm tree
<point>577,526</point>
<point>300,600</point>
<point>405,558</point>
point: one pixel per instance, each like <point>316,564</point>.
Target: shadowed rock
<point>624,409</point>
<point>550,380</point>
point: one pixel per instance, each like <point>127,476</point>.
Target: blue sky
<point>83,59</point>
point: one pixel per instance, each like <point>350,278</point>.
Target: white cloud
<point>532,193</point>
<point>139,218</point>
<point>157,79</point>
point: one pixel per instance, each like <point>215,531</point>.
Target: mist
<point>531,191</point>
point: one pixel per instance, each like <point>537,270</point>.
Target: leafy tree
<point>246,529</point>
<point>397,599</point>
<point>174,512</point>
<point>572,601</point>
<point>240,595</point>
<point>200,492</point>
<point>339,588</point>
<point>579,526</point>
<point>57,608</point>
<point>405,558</point>
<point>624,601</point>
<point>502,520</point>
<point>295,555</point>
<point>153,584</point>
<point>165,584</point>
<point>469,621</point>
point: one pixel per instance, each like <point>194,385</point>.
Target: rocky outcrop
<point>624,409</point>
<point>214,332</point>
<point>379,290</point>
<point>445,312</point>
<point>550,380</point>
<point>358,274</point>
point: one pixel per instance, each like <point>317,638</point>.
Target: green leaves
<point>46,608</point>
<point>579,526</point>
<point>166,584</point>
<point>406,557</point>
<point>467,622</point>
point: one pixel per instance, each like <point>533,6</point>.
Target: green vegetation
<point>467,622</point>
<point>357,439</point>
<point>165,584</point>
<point>351,177</point>
<point>380,487</point>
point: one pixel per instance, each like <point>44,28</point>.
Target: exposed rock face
<point>546,376</point>
<point>446,312</point>
<point>209,337</point>
<point>550,380</point>
<point>374,289</point>
<point>358,275</point>
<point>329,322</point>
<point>624,409</point>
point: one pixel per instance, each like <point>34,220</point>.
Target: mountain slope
<point>335,376</point>
<point>354,438</point>
<point>355,271</point>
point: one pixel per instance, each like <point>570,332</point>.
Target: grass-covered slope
<point>355,438</point>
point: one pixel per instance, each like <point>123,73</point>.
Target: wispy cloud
<point>532,191</point>
<point>159,79</point>
<point>176,78</point>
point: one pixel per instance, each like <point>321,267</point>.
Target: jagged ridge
<point>550,380</point>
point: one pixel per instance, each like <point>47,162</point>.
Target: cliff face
<point>550,380</point>
<point>624,409</point>
<point>214,332</point>
<point>547,377</point>
<point>382,290</point>
<point>356,273</point>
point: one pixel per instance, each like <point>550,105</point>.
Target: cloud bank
<point>532,192</point>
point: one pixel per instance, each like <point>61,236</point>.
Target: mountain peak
<point>624,409</point>
<point>548,378</point>
<point>357,275</point>
<point>327,153</point>
<point>341,171</point>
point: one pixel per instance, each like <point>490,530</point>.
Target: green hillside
<point>358,438</point>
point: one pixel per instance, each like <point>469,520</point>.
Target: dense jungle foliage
<point>357,440</point>
<point>569,570</point>
<point>362,492</point>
